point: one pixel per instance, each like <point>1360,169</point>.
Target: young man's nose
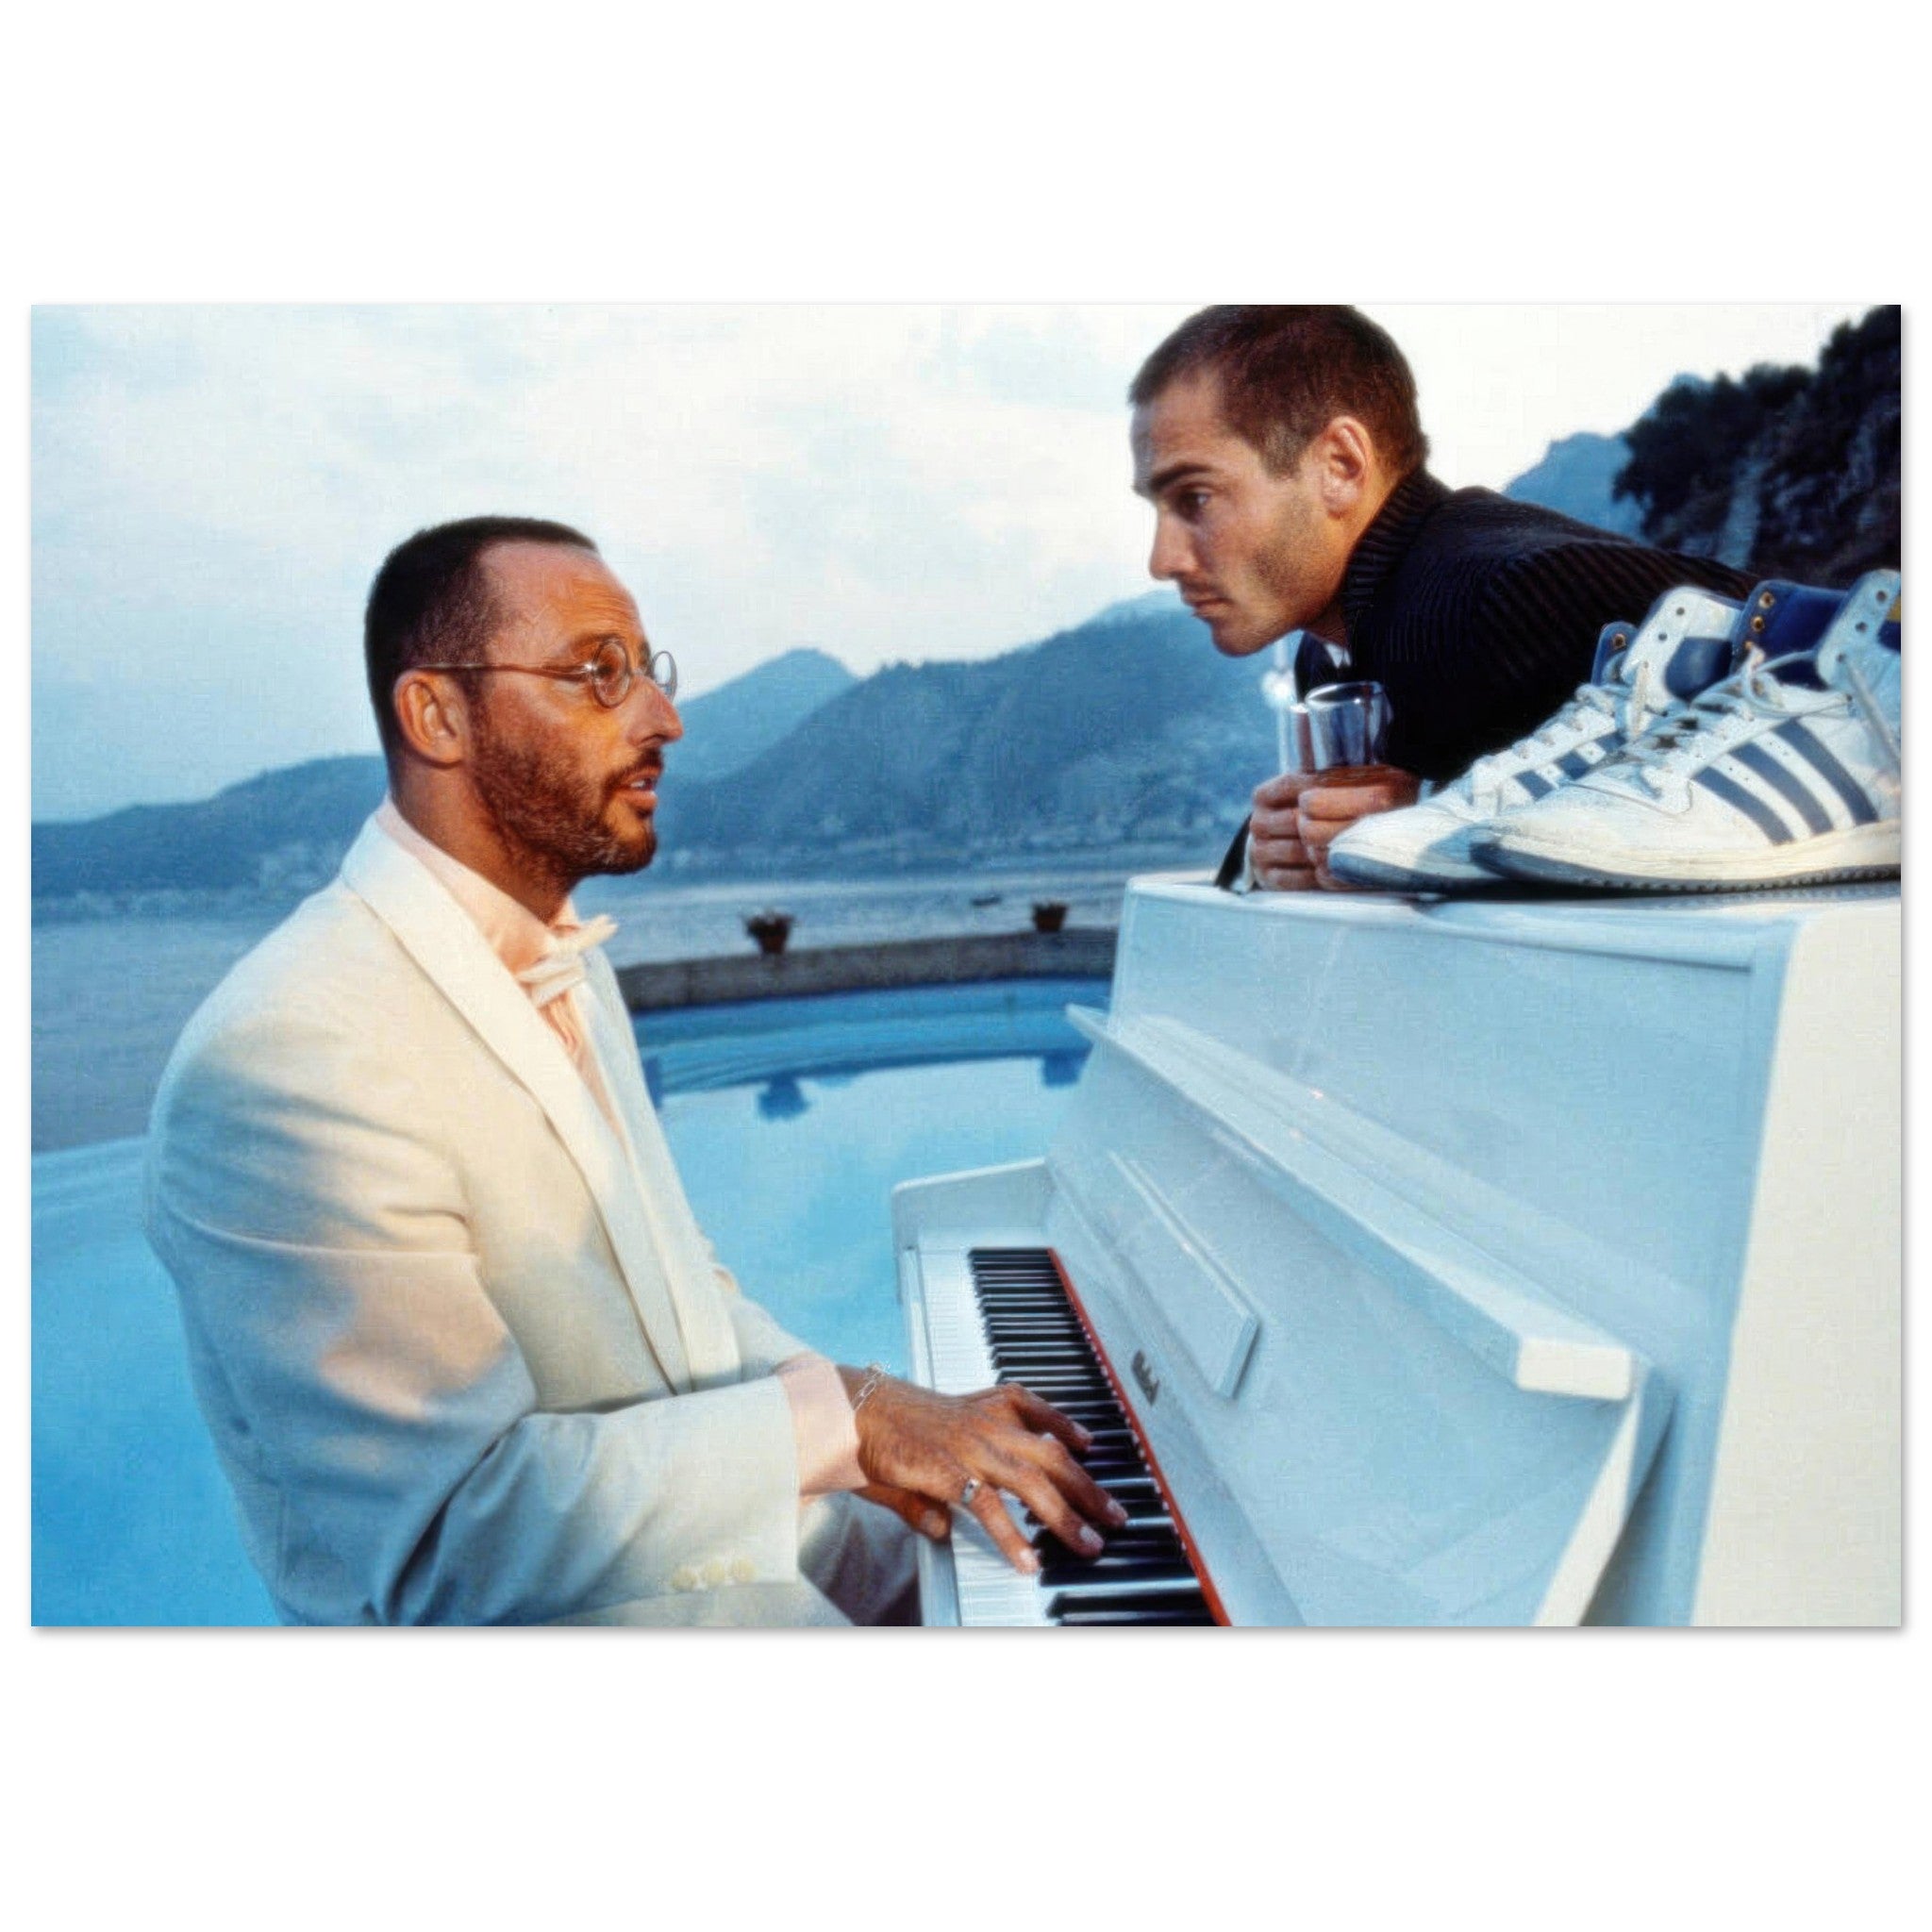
<point>1171,552</point>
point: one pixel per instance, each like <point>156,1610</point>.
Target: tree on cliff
<point>1789,472</point>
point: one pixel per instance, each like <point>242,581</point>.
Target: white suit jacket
<point>459,1365</point>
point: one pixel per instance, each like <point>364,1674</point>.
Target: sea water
<point>110,994</point>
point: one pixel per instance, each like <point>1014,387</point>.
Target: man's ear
<point>433,716</point>
<point>1345,463</point>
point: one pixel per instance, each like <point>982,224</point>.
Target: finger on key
<point>1061,1493</point>
<point>990,1510</point>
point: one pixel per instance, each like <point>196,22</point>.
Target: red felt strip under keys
<point>1208,1590</point>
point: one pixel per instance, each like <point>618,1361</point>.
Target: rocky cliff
<point>1784,472</point>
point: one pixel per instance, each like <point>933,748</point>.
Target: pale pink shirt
<point>822,1420</point>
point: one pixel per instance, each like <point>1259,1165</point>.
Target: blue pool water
<point>790,1122</point>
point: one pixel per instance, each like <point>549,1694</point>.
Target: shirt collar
<point>512,931</point>
<point>1381,546</point>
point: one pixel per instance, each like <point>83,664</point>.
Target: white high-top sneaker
<point>1641,671</point>
<point>1787,773</point>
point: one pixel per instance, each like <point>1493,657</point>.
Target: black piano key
<point>1123,1546</point>
<point>1106,1569</point>
<point>1127,1611</point>
<point>1147,1525</point>
<point>1016,1365</point>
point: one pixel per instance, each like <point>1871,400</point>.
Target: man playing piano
<point>1283,452</point>
<point>465,1351</point>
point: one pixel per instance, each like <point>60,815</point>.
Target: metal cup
<point>1294,744</point>
<point>1348,724</point>
<point>1295,739</point>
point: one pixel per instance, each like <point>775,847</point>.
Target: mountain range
<point>284,832</point>
<point>1126,727</point>
<point>1577,474</point>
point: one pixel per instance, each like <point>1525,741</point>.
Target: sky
<point>214,486</point>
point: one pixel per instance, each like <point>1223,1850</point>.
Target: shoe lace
<point>1875,720</point>
<point>1625,708</point>
<point>1749,694</point>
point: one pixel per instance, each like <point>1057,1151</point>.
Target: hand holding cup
<point>1348,729</point>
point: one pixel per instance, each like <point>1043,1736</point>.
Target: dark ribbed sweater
<point>1480,615</point>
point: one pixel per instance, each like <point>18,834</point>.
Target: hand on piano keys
<point>975,1450</point>
<point>1007,1315</point>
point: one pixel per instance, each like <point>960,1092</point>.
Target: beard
<point>554,816</point>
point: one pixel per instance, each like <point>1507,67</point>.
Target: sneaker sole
<point>1866,852</point>
<point>1385,876</point>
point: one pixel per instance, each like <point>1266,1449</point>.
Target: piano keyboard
<point>1018,1324</point>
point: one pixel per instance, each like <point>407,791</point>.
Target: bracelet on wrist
<point>875,1375</point>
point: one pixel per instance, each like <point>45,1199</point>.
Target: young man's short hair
<point>1286,372</point>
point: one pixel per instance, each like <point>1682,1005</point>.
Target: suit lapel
<point>706,1323</point>
<point>444,943</point>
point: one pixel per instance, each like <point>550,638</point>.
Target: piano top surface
<point>1529,916</point>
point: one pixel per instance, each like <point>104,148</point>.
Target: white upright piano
<point>1456,1263</point>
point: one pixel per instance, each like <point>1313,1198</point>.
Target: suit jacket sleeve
<point>368,1396</point>
<point>762,1341</point>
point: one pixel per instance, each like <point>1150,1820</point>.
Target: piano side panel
<point>1806,1512</point>
<point>939,1596</point>
<point>987,1206</point>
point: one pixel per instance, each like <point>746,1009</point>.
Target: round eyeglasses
<point>609,674</point>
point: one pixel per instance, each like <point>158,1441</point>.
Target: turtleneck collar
<point>1381,546</point>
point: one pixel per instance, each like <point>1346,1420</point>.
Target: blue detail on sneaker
<point>1739,799</point>
<point>1786,784</point>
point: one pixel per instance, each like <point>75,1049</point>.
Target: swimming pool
<point>790,1122</point>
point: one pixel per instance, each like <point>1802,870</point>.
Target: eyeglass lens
<point>612,676</point>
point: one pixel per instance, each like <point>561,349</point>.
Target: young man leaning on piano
<point>465,1351</point>
<point>1282,450</point>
